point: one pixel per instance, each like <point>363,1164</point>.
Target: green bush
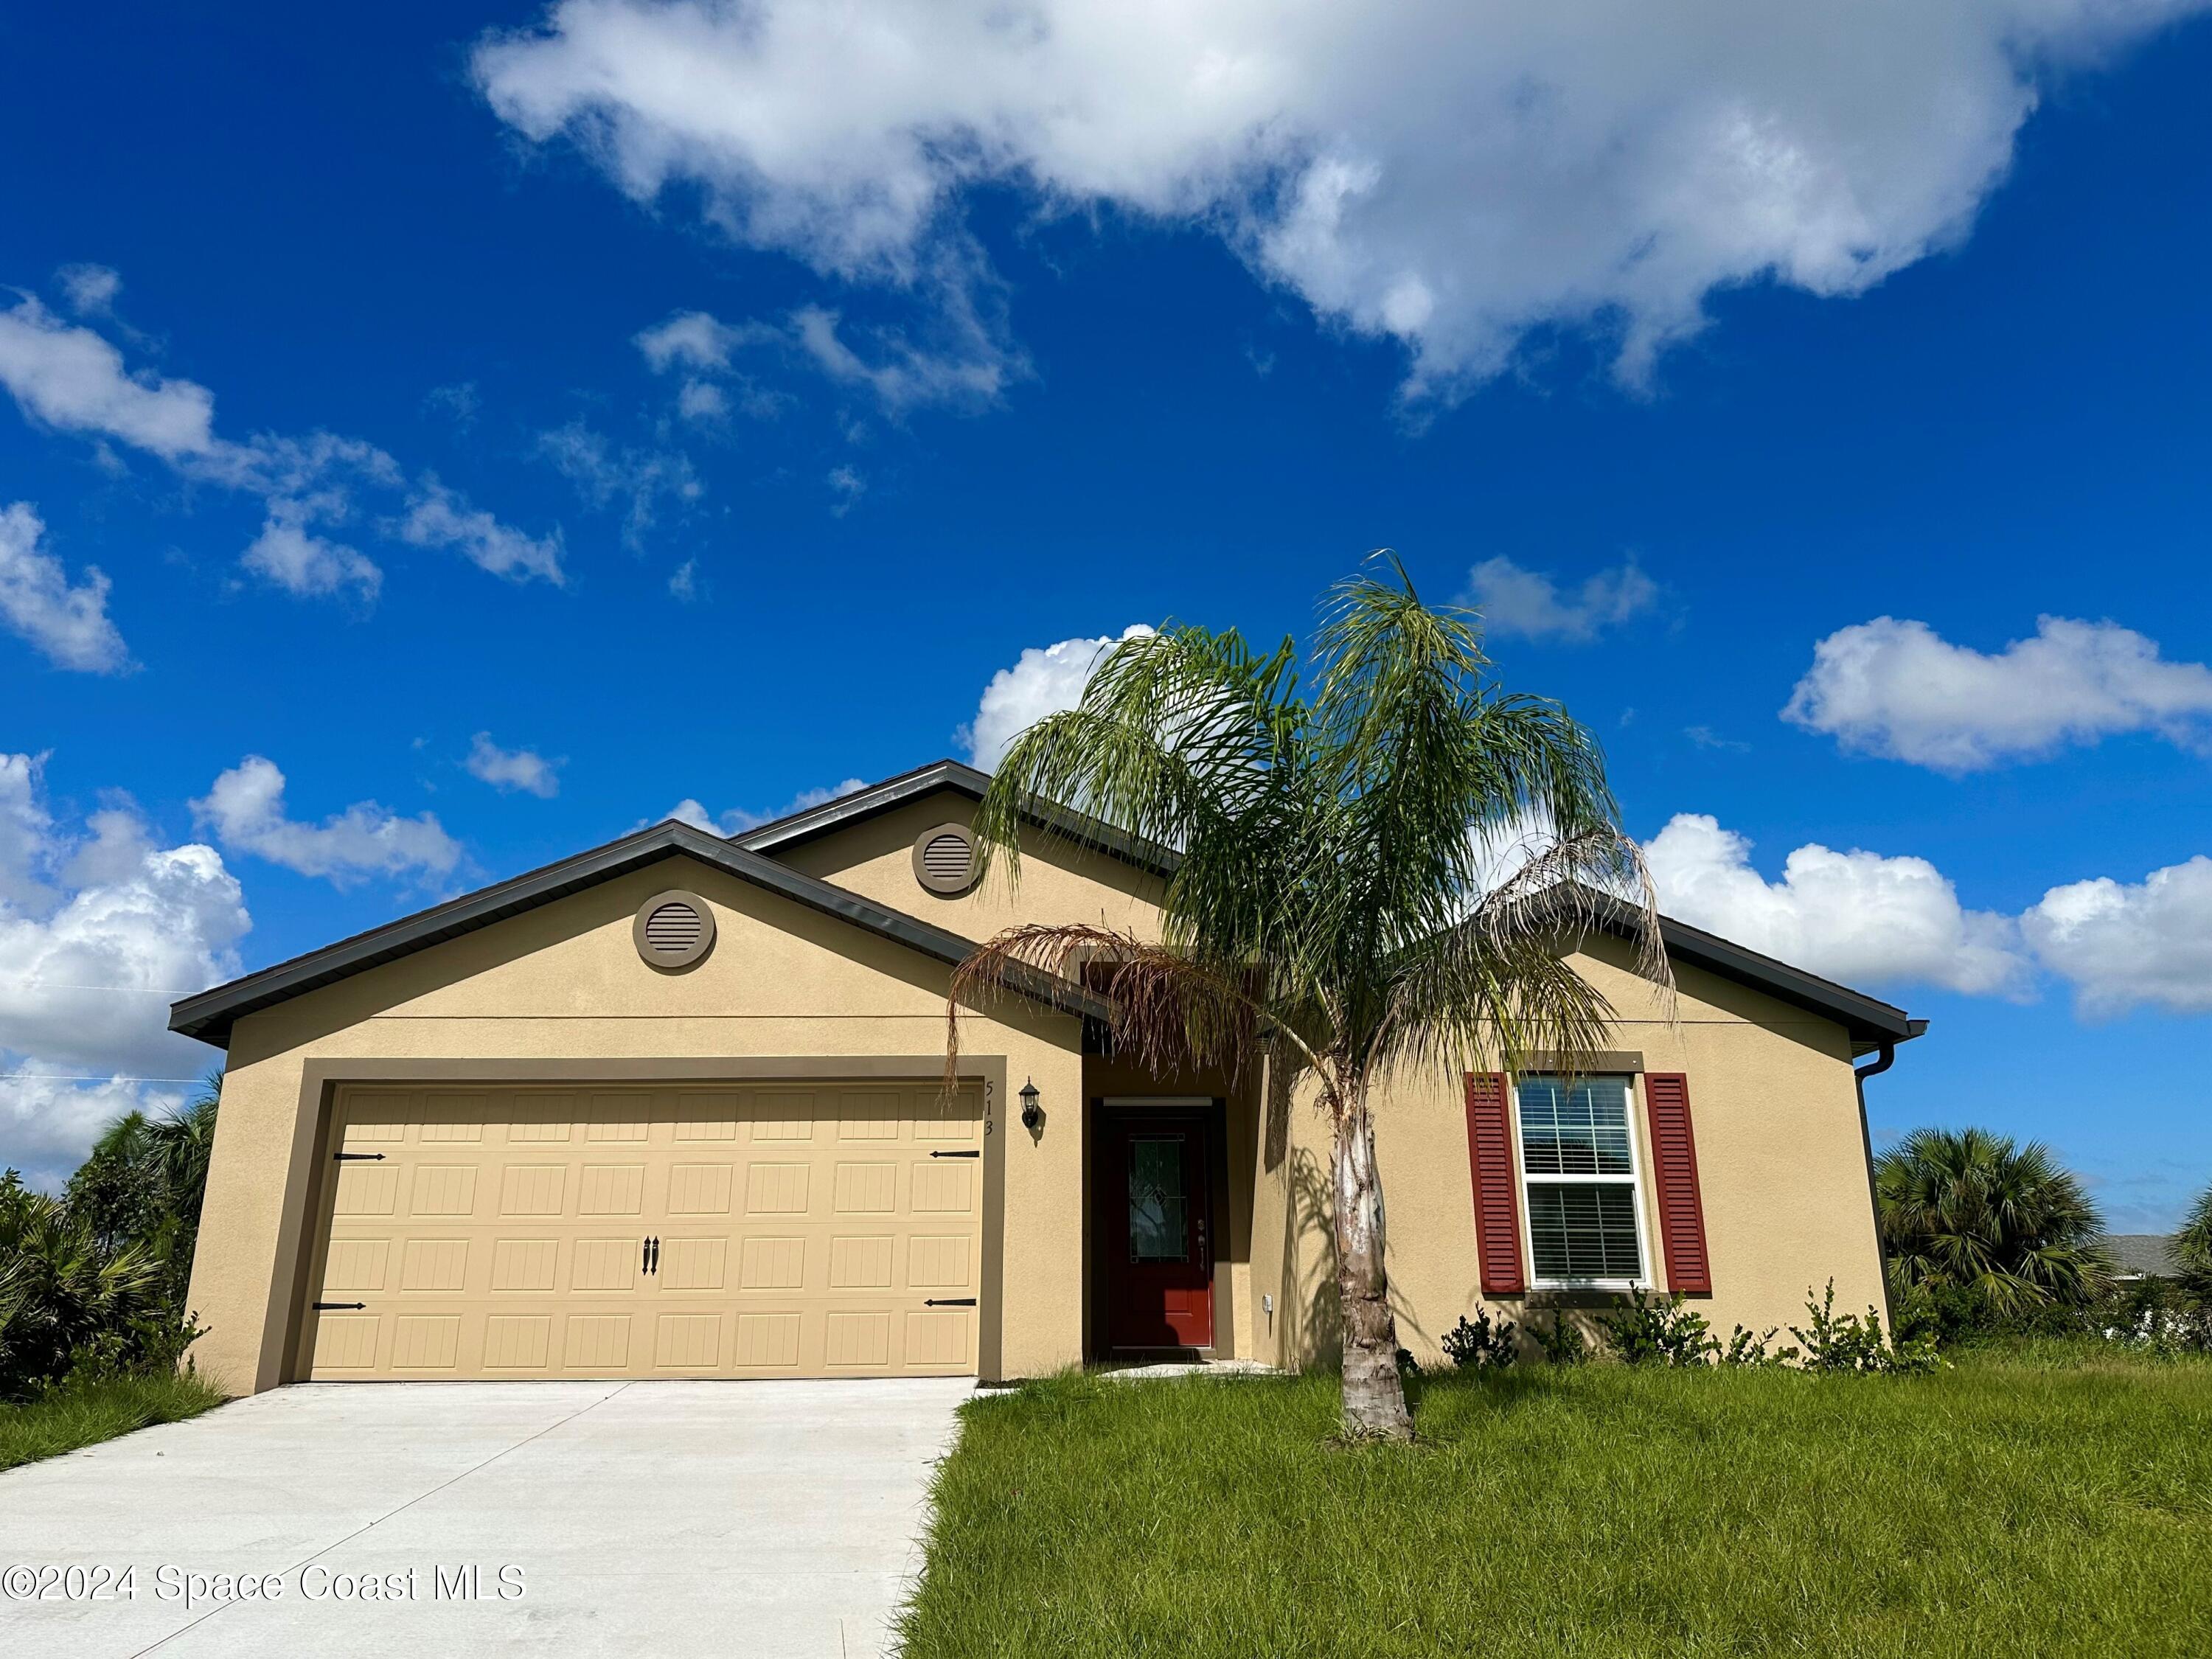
<point>93,1284</point>
<point>1642,1331</point>
<point>1853,1342</point>
<point>1484,1345</point>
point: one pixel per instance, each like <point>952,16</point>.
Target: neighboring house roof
<point>878,798</point>
<point>210,1015</point>
<point>2143,1256</point>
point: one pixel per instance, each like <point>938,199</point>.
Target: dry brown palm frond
<point>1165,1008</point>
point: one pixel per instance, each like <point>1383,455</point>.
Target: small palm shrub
<point>93,1284</point>
<point>2192,1247</point>
<point>1980,1233</point>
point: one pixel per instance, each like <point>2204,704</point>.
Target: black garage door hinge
<point>356,1158</point>
<point>966,1154</point>
<point>321,1306</point>
<point>949,1302</point>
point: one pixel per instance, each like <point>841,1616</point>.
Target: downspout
<point>1884,1060</point>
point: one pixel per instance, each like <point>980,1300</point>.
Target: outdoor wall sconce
<point>1032,1114</point>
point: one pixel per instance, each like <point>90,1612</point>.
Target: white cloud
<point>439,517</point>
<point>69,625</point>
<point>2122,946</point>
<point>1898,689</point>
<point>737,819</point>
<point>290,554</point>
<point>965,360</point>
<point>103,932</point>
<point>1529,603</point>
<point>510,769</point>
<point>1044,681</point>
<point>683,582</point>
<point>693,339</point>
<point>245,808</point>
<point>1857,917</point>
<point>1452,177</point>
<point>89,289</point>
<point>71,378</point>
<point>603,474</point>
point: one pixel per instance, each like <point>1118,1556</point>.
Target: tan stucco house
<point>675,1106</point>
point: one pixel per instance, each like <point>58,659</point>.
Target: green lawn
<point>85,1414</point>
<point>2038,1503</point>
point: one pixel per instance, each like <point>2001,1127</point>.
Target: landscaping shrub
<point>1484,1344</point>
<point>1645,1331</point>
<point>93,1284</point>
<point>1853,1342</point>
<point>1563,1343</point>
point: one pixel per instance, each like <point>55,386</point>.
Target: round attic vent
<point>673,930</point>
<point>944,858</point>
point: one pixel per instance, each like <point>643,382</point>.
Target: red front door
<point>1159,1231</point>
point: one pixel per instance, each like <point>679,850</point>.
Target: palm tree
<point>1966,1212</point>
<point>1333,900</point>
<point>2192,1245</point>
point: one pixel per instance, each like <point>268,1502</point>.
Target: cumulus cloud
<point>100,929</point>
<point>1448,176</point>
<point>2122,946</point>
<point>292,556</point>
<point>1531,603</point>
<point>1856,917</point>
<point>1045,680</point>
<point>1898,689</point>
<point>510,769</point>
<point>68,378</point>
<point>737,819</point>
<point>245,809</point>
<point>69,624</point>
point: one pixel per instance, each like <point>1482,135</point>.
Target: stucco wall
<point>1781,1166</point>
<point>1060,883</point>
<point>564,983</point>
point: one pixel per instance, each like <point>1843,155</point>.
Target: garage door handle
<point>356,1158</point>
<point>949,1302</point>
<point>968,1154</point>
<point>651,1264</point>
<point>321,1306</point>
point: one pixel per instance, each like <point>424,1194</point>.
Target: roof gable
<point>210,1015</point>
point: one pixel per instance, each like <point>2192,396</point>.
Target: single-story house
<point>675,1106</point>
<point>2143,1256</point>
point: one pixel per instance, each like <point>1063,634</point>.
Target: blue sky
<point>695,434</point>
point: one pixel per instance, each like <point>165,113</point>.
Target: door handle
<point>650,1260</point>
<point>1205,1257</point>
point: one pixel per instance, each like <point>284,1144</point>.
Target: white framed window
<point>1581,1187</point>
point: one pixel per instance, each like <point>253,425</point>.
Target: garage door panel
<point>799,1232</point>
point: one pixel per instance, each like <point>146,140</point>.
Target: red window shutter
<point>1497,1211</point>
<point>1675,1179</point>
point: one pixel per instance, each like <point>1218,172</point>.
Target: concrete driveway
<point>659,1519</point>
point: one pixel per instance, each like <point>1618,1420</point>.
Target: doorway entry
<point>1156,1170</point>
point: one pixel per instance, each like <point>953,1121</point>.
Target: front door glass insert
<point>1158,1202</point>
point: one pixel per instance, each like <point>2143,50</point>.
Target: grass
<point>2033,1501</point>
<point>83,1414</point>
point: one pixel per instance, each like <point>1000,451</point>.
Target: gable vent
<point>673,930</point>
<point>674,926</point>
<point>944,858</point>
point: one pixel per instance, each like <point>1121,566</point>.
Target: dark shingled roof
<point>210,1014</point>
<point>2140,1256</point>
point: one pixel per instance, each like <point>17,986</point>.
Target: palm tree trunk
<point>1374,1398</point>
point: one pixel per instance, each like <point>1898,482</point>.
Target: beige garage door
<point>816,1230</point>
